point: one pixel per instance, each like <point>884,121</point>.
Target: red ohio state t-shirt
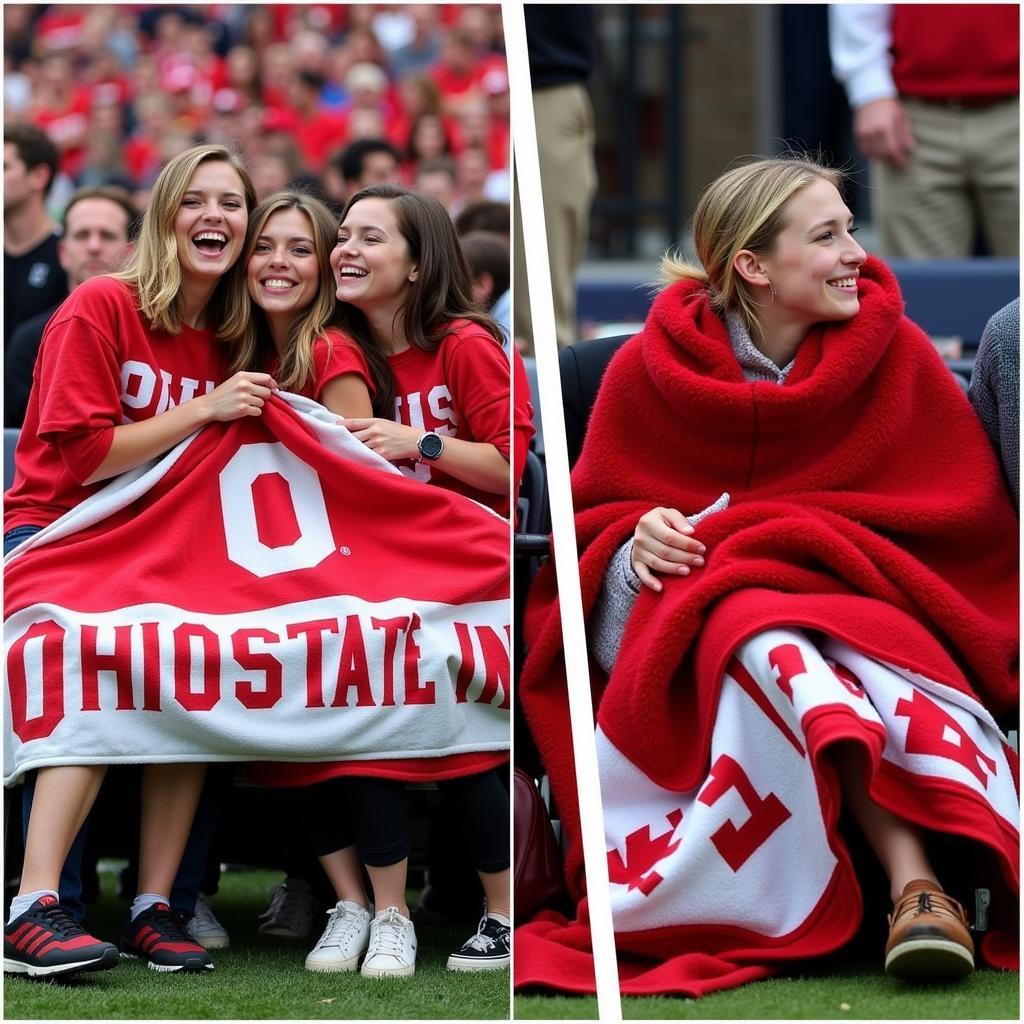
<point>99,365</point>
<point>461,389</point>
<point>334,355</point>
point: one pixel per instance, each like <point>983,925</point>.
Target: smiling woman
<point>128,366</point>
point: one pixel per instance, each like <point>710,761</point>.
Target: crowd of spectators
<point>123,88</point>
<point>328,98</point>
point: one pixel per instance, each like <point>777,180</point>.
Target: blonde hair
<point>247,328</point>
<point>153,269</point>
<point>744,208</point>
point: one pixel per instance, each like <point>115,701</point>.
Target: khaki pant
<point>963,173</point>
<point>565,146</point>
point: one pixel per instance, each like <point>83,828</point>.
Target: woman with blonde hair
<point>130,365</point>
<point>801,584</point>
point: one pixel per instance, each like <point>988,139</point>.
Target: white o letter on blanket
<point>245,548</point>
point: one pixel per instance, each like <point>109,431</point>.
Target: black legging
<point>374,813</point>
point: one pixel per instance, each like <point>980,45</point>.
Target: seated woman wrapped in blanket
<point>799,568</point>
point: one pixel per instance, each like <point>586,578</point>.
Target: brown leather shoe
<point>928,936</point>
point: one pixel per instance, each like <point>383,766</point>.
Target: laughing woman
<point>128,366</point>
<point>799,567</point>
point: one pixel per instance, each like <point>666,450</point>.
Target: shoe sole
<point>189,967</point>
<point>214,942</point>
<point>280,933</point>
<point>103,963</point>
<point>333,966</point>
<point>389,972</point>
<point>458,964</point>
<point>924,959</point>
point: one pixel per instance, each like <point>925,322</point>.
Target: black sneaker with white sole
<point>159,936</point>
<point>488,950</point>
<point>47,942</point>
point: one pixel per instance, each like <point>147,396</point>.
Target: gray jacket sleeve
<point>619,592</point>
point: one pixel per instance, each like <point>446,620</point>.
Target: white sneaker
<point>392,949</point>
<point>292,912</point>
<point>204,927</point>
<point>344,939</point>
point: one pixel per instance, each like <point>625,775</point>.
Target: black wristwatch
<point>430,446</point>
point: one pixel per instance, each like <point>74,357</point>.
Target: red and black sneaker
<point>46,942</point>
<point>158,935</point>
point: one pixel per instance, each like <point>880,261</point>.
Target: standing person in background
<point>934,89</point>
<point>561,45</point>
<point>33,277</point>
<point>97,237</point>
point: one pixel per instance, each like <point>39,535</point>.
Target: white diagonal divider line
<point>581,711</point>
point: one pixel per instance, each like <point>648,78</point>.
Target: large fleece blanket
<point>866,506</point>
<point>268,589</point>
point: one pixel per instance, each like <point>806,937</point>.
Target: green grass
<point>855,989</point>
<point>259,979</point>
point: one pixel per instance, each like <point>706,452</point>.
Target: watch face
<point>431,446</point>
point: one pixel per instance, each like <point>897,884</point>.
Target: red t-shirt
<point>334,355</point>
<point>99,365</point>
<point>461,389</point>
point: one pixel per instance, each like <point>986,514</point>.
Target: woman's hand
<point>392,441</point>
<point>663,542</point>
<point>242,395</point>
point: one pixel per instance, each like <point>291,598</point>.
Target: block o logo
<point>260,486</point>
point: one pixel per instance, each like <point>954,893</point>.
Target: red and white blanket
<point>269,589</point>
<point>867,506</point>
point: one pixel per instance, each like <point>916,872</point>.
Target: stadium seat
<point>10,443</point>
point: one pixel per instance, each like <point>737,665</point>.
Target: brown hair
<point>249,332</point>
<point>442,291</point>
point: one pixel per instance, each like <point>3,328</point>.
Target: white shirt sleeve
<point>859,40</point>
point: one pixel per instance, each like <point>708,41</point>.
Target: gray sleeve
<point>618,594</point>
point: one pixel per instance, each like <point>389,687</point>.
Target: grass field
<point>259,979</point>
<point>834,990</point>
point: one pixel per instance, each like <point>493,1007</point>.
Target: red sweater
<point>942,51</point>
<point>99,365</point>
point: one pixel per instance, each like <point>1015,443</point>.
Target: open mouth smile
<point>351,272</point>
<point>278,284</point>
<point>846,284</point>
<point>210,243</point>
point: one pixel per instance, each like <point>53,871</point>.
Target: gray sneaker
<point>205,928</point>
<point>392,949</point>
<point>292,912</point>
<point>344,939</point>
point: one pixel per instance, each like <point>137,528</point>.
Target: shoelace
<point>288,905</point>
<point>480,941</point>
<point>340,927</point>
<point>204,916</point>
<point>928,902</point>
<point>60,919</point>
<point>390,932</point>
<point>167,922</point>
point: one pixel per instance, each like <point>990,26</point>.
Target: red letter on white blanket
<point>738,845</point>
<point>353,670</point>
<point>120,663</point>
<point>391,627</point>
<point>415,691</point>
<point>468,666</point>
<point>495,666</point>
<point>51,659</point>
<point>787,660</point>
<point>932,731</point>
<point>184,667</point>
<point>314,656</point>
<point>247,695</point>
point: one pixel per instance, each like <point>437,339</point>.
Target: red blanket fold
<point>866,503</point>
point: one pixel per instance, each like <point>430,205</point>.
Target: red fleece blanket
<point>866,503</point>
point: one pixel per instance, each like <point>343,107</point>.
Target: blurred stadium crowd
<point>122,89</point>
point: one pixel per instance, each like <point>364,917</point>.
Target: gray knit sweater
<point>995,390</point>
<point>621,584</point>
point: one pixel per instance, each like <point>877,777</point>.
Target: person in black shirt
<point>34,280</point>
<point>98,225</point>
